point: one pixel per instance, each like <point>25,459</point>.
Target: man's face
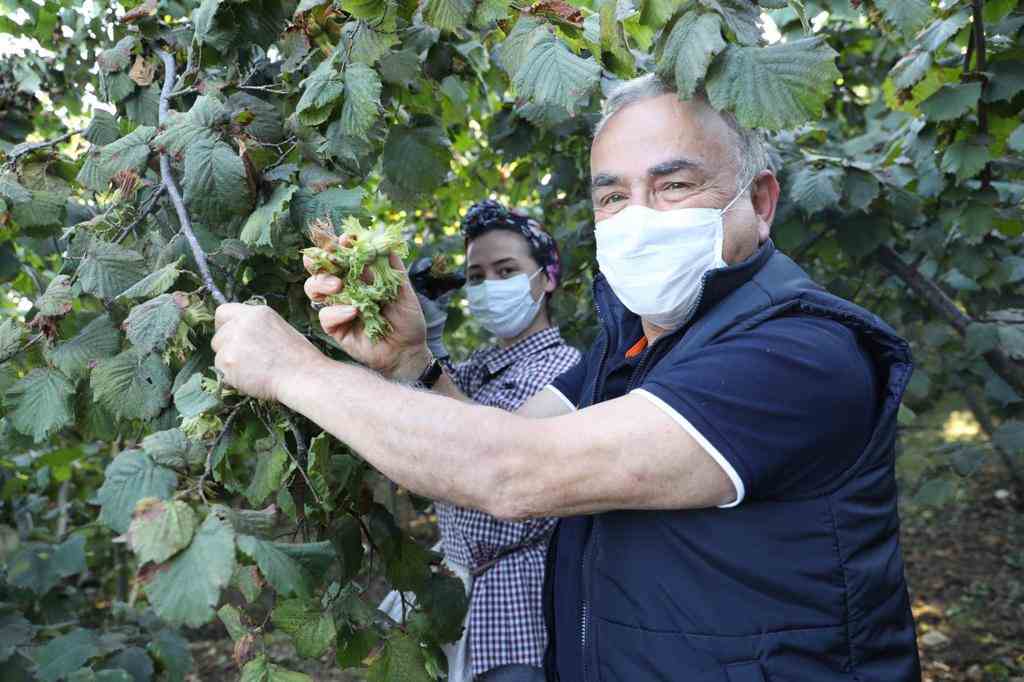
<point>665,154</point>
<point>501,254</point>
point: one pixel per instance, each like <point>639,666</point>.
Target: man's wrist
<point>292,385</point>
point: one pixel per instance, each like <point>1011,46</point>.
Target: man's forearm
<point>431,444</point>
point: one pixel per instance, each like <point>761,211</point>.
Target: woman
<point>512,268</point>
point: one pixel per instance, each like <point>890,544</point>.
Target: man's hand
<point>402,354</point>
<point>257,350</point>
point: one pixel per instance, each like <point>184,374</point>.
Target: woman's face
<point>501,254</point>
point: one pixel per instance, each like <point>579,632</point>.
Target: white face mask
<point>505,307</point>
<point>655,261</point>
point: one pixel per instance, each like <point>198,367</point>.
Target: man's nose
<point>641,194</point>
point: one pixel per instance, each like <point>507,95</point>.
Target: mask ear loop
<point>737,197</point>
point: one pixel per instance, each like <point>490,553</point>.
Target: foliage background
<point>137,497</point>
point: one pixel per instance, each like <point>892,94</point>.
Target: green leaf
<point>915,64</point>
<point>320,91</point>
<point>284,573</point>
<point>159,529</point>
<point>231,617</point>
<point>40,404</point>
<point>347,538</point>
<point>365,9</point>
<point>1010,436</point>
<point>131,152</point>
<point>687,52</point>
<point>260,669</point>
<point>861,189</point>
<point>66,654</point>
<point>116,58</point>
<point>447,15</point>
<point>203,20</point>
<point>45,209</point>
<point>1016,140</point>
<point>355,648</point>
<point>552,74</point>
<point>98,340</point>
<point>102,129</point>
<point>12,190</point>
<point>185,130</point>
<point>214,182</point>
<point>130,477</point>
<point>259,227</point>
<point>367,45</point>
<point>11,336</point>
<point>966,158</point>
<point>271,470</point>
<point>415,161</point>
<point>513,51</point>
<point>815,189</point>
<point>168,448</point>
<point>132,662</point>
<point>132,387</point>
<point>39,567</point>
<point>56,300</point>
<point>264,120</point>
<point>742,18</point>
<point>172,652</point>
<point>1011,338</point>
<point>1006,80</point>
<point>249,581</point>
<point>936,493</point>
<point>908,16</point>
<point>156,282</point>
<point>361,107</point>
<point>408,568</point>
<point>15,632</point>
<point>444,599</point>
<point>152,324</point>
<point>951,101</point>
<point>107,269</point>
<point>186,590</point>
<point>401,659</point>
<point>775,87</point>
<point>191,400</point>
<point>488,12</point>
<point>310,627</point>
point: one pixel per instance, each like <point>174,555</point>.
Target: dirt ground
<point>965,566</point>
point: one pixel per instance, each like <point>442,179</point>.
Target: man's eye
<point>612,198</point>
<point>474,279</point>
<point>507,272</point>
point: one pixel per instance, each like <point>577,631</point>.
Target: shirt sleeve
<point>569,384</point>
<point>784,408</point>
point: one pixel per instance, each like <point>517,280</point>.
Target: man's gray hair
<point>751,150</point>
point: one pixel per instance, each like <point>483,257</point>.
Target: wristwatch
<point>429,376</point>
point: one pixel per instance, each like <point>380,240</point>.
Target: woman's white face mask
<point>505,307</point>
<point>655,261</point>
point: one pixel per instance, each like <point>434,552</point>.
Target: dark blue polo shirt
<point>785,407</point>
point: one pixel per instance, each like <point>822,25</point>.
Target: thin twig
<point>172,187</point>
<point>208,466</point>
<point>146,209</point>
<point>27,148</point>
<point>277,441</point>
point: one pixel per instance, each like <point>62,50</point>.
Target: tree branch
<point>28,147</point>
<point>985,421</point>
<point>171,187</point>
<point>143,212</point>
<point>981,64</point>
<point>928,290</point>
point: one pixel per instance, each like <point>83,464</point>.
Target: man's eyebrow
<point>604,180</point>
<point>673,166</point>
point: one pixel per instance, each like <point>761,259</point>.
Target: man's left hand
<point>257,349</point>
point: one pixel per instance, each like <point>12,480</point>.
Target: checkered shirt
<point>506,620</point>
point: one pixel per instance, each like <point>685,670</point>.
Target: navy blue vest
<point>794,590</point>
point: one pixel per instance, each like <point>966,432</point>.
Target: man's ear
<point>764,195</point>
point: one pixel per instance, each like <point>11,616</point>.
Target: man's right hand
<point>402,354</point>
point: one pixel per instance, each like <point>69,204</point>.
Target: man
<point>512,269</point>
<point>724,452</point>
